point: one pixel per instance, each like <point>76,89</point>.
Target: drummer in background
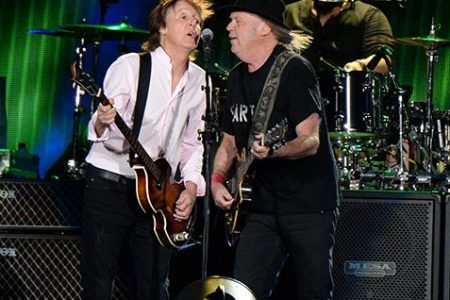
<point>345,34</point>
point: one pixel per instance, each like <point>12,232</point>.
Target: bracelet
<point>218,178</point>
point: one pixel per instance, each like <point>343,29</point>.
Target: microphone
<point>206,35</point>
<point>382,52</point>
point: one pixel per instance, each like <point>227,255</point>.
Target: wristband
<point>218,178</point>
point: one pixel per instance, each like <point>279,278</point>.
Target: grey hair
<point>293,40</point>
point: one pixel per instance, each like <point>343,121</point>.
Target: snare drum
<point>352,101</point>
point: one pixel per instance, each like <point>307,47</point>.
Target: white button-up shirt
<point>171,120</point>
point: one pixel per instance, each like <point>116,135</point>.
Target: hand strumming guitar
<point>186,201</point>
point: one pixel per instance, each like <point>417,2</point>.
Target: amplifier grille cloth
<point>39,203</point>
<point>43,268</point>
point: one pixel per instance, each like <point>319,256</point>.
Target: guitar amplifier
<point>34,204</point>
<point>43,266</point>
<point>388,246</point>
<point>40,246</point>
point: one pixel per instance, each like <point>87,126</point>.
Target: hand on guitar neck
<point>260,150</point>
<point>106,115</point>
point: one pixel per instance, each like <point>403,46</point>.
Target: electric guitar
<point>156,191</point>
<point>240,184</point>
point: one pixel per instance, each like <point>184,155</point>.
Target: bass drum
<point>352,101</point>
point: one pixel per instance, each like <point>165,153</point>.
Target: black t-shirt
<point>281,185</point>
<point>357,32</point>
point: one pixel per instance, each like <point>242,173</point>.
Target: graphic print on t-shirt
<point>242,113</point>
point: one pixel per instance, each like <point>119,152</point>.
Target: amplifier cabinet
<point>387,246</point>
<point>39,266</point>
<point>446,251</point>
<point>35,204</point>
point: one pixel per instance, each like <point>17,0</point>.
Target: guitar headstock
<point>276,136</point>
<point>85,81</point>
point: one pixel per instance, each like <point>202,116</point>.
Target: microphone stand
<point>210,136</point>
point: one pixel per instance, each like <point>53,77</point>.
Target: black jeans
<point>112,220</point>
<point>308,239</point>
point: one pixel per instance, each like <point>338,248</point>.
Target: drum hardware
<point>401,170</point>
<point>431,43</point>
<point>367,119</point>
<point>354,160</point>
<point>339,122</point>
<point>440,134</point>
<point>423,151</point>
<point>338,89</point>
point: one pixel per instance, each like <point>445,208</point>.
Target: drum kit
<point>86,34</point>
<point>379,139</point>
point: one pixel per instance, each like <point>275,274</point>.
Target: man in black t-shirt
<point>295,191</point>
<point>345,33</point>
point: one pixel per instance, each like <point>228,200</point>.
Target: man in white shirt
<point>172,117</point>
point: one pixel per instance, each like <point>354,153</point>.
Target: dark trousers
<point>266,241</point>
<point>112,220</point>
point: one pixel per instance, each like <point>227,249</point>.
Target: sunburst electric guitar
<point>240,184</point>
<point>156,191</point>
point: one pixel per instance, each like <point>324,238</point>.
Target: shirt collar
<point>161,54</point>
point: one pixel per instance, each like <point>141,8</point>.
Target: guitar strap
<point>268,94</point>
<point>145,70</point>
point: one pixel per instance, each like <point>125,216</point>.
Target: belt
<point>108,175</point>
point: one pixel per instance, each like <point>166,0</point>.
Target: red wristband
<point>218,178</point>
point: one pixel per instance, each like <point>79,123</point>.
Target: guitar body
<point>159,199</point>
<point>237,215</point>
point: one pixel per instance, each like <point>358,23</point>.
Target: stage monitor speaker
<point>43,267</point>
<point>216,288</point>
<point>387,246</point>
<point>35,204</point>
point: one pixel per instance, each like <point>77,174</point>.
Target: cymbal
<point>428,42</point>
<point>351,135</point>
<point>56,32</point>
<point>119,31</point>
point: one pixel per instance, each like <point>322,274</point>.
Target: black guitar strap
<point>267,99</point>
<point>145,70</point>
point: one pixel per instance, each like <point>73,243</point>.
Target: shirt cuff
<point>199,181</point>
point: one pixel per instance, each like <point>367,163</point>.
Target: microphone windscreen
<point>206,35</point>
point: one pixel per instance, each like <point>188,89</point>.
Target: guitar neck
<point>133,141</point>
<point>244,166</point>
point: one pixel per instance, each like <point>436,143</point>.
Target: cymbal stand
<point>399,92</point>
<point>401,171</point>
<point>73,170</point>
<point>432,56</point>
